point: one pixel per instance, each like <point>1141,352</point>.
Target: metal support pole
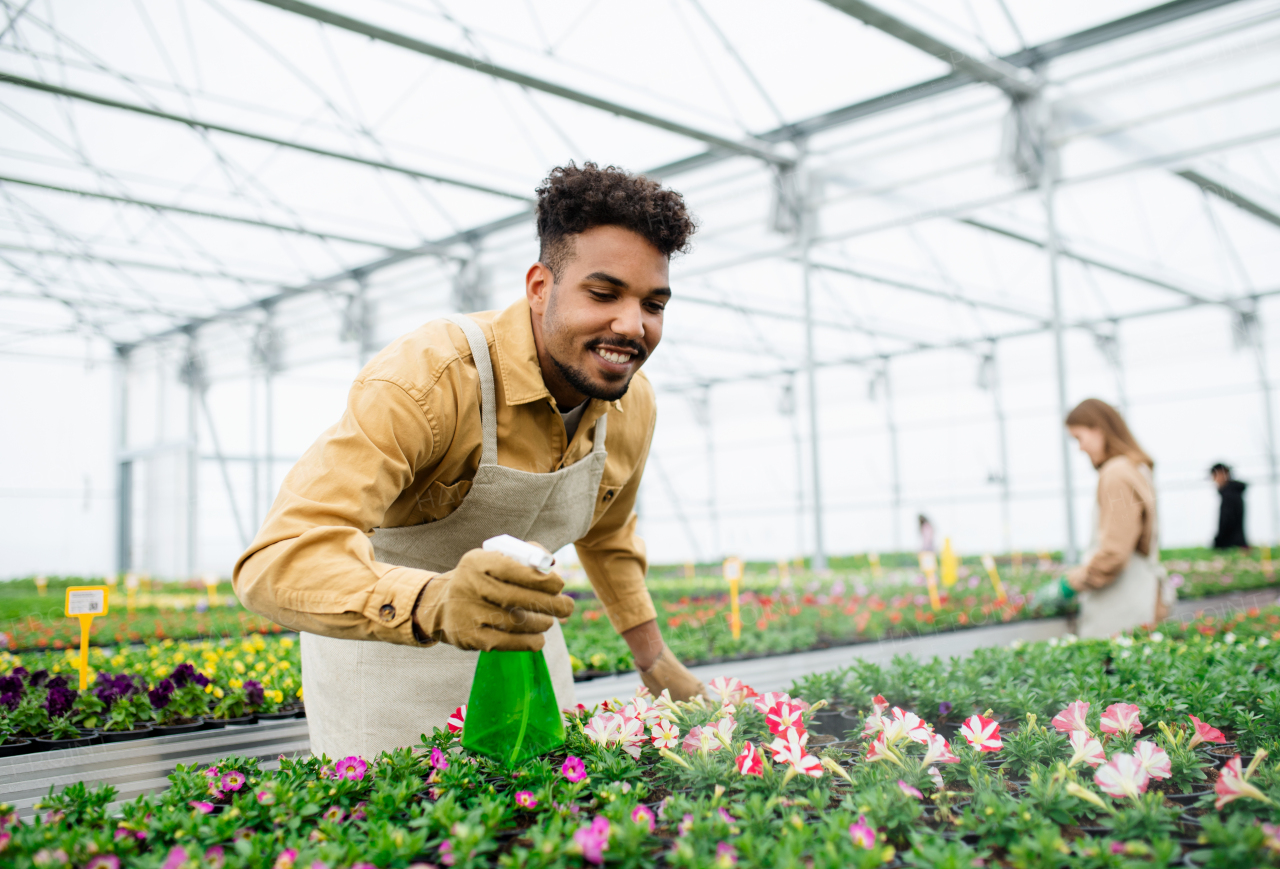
<point>1053,246</point>
<point>895,467</point>
<point>124,466</point>
<point>997,403</point>
<point>1254,327</point>
<point>193,377</point>
<point>702,415</point>
<point>787,406</point>
<point>807,228</point>
<point>255,482</point>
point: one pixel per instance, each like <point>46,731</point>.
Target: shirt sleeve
<point>614,557</point>
<point>312,566</point>
<point>1121,512</point>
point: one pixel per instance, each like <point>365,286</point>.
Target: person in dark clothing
<point>1231,513</point>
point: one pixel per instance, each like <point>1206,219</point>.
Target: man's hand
<point>490,601</point>
<point>670,674</point>
<point>1052,594</point>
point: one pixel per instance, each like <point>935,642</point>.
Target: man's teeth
<point>616,358</point>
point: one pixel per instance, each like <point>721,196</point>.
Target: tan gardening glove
<point>670,674</point>
<point>491,601</point>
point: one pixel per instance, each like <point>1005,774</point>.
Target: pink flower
<point>438,759</point>
<point>1204,733</point>
<point>643,815</point>
<point>334,813</point>
<point>102,861</point>
<point>447,857</point>
<point>525,799</point>
<point>351,768</point>
<point>211,772</point>
<point>766,701</point>
<point>939,751</point>
<point>1072,718</point>
<point>286,859</point>
<point>201,807</point>
<point>1121,718</point>
<point>1122,777</point>
<point>909,790</point>
<point>357,813</point>
<point>573,769</point>
<point>1087,749</point>
<point>862,834</point>
<point>784,715</point>
<point>593,840</point>
<point>232,781</point>
<point>1233,783</point>
<point>457,719</point>
<point>726,856</point>
<point>266,798</point>
<point>665,734</point>
<point>789,748</point>
<point>1153,759</point>
<point>685,826</point>
<point>982,733</point>
<point>175,858</point>
<point>6,837</point>
<point>749,761</point>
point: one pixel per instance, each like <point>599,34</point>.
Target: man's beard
<point>579,380</point>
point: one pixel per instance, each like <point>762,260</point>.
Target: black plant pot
<point>16,745</point>
<point>46,743</point>
<point>127,735</point>
<point>229,722</point>
<point>278,715</point>
<point>189,725</point>
<point>1189,799</point>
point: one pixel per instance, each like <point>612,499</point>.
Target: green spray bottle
<point>512,714</point>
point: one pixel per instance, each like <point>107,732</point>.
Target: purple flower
<point>57,682</point>
<point>352,768</point>
<point>593,840</point>
<point>161,694</point>
<point>11,700</point>
<point>201,679</point>
<point>59,701</point>
<point>573,769</point>
<point>944,708</point>
<point>11,685</point>
<point>38,678</point>
<point>182,674</point>
<point>20,671</point>
<point>253,692</point>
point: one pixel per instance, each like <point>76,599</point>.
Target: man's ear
<point>538,282</point>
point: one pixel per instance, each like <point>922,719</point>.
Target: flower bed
<point>137,691</point>
<point>1088,754</point>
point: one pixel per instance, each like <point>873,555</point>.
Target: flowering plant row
<point>742,778</point>
<point>134,688</point>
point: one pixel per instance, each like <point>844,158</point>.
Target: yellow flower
<point>236,683</point>
<point>260,666</point>
<point>238,667</point>
<point>217,692</point>
<point>208,689</point>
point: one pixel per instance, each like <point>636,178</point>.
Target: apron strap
<point>488,403</point>
<point>597,445</point>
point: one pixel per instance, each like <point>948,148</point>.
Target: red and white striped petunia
<point>939,751</point>
<point>1204,733</point>
<point>603,729</point>
<point>1122,777</point>
<point>749,761</point>
<point>642,709</point>
<point>1153,759</point>
<point>1072,718</point>
<point>664,734</point>
<point>906,724</point>
<point>731,691</point>
<point>723,730</point>
<point>784,715</point>
<point>766,701</point>
<point>879,705</point>
<point>982,733</point>
<point>1233,782</point>
<point>1087,749</point>
<point>1121,718</point>
<point>789,748</point>
<point>879,750</point>
<point>457,719</point>
<point>631,735</point>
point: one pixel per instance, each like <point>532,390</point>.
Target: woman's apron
<point>1131,600</point>
<point>365,697</point>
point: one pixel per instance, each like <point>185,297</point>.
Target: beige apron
<point>366,697</point>
<point>1131,600</point>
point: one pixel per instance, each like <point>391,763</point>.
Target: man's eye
<point>602,297</point>
<point>657,307</point>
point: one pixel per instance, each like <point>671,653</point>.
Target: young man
<point>1231,511</point>
<point>530,422</point>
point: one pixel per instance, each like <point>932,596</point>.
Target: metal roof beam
<point>1222,191</point>
<point>195,212</point>
<point>137,264</point>
<point>326,16</point>
<point>1013,80</point>
<point>108,102</point>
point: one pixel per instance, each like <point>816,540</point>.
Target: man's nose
<point>628,322</point>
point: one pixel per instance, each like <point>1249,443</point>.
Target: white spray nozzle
<point>525,553</point>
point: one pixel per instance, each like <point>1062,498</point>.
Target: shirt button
<point>608,495</point>
<point>388,612</point>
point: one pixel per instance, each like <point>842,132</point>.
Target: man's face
<point>1220,478</point>
<point>599,322</point>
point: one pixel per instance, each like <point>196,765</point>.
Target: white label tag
<point>85,602</point>
<point>989,563</point>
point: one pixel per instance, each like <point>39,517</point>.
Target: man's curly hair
<point>573,200</point>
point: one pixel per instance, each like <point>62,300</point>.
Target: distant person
<point>1231,513</point>
<point>1121,583</point>
<point>926,533</point>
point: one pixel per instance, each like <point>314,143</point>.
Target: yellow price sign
<point>1266,560</point>
<point>86,602</point>
<point>950,564</point>
<point>929,564</point>
<point>733,574</point>
<point>990,564</point>
<point>131,583</point>
<point>211,585</point>
<point>42,585</point>
<point>874,559</point>
<point>689,570</point>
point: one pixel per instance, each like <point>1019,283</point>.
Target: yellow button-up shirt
<point>405,452</point>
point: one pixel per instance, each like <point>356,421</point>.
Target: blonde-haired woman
<point>1121,583</point>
